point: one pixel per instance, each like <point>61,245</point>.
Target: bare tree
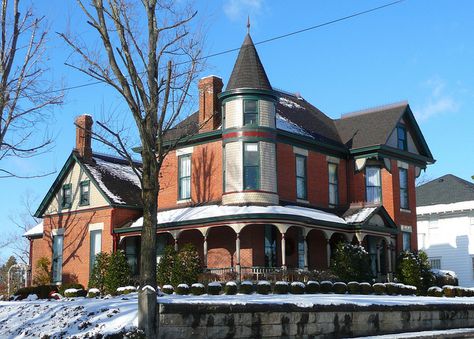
<point>149,56</point>
<point>25,93</point>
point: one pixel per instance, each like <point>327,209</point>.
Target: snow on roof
<point>290,103</point>
<point>202,212</point>
<point>36,230</point>
<point>98,177</point>
<point>360,216</point>
<point>445,208</point>
<point>289,126</point>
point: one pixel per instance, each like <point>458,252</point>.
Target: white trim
<point>446,208</point>
<point>302,201</point>
<point>402,164</point>
<point>360,163</point>
<point>405,228</point>
<point>183,201</point>
<point>184,151</point>
<point>96,227</point>
<point>404,210</point>
<point>300,151</point>
<point>57,231</point>
<point>332,160</point>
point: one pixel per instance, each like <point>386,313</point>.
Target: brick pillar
<point>84,136</point>
<point>210,116</point>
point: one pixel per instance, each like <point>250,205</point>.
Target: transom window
<point>333,185</point>
<point>67,196</point>
<point>251,166</point>
<point>84,193</point>
<point>250,112</point>
<point>403,174</point>
<point>301,192</point>
<point>402,137</point>
<point>373,184</point>
<point>184,169</point>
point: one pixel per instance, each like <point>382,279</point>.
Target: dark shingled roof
<point>307,117</point>
<point>248,70</point>
<point>369,128</point>
<point>187,127</point>
<point>447,189</point>
<point>115,178</point>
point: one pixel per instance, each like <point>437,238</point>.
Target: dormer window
<point>402,137</point>
<point>84,193</point>
<point>250,112</point>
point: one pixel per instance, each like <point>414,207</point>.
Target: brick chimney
<point>210,115</point>
<point>83,136</point>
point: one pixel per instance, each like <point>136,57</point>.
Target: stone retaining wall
<point>289,321</point>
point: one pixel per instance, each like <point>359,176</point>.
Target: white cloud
<point>439,101</point>
<point>238,9</point>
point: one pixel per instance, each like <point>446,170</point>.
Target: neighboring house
<point>260,180</point>
<point>445,211</point>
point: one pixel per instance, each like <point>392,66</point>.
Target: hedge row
<point>450,291</point>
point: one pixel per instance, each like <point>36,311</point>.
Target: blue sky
<point>418,50</point>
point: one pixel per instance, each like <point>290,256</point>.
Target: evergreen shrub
<point>353,287</point>
<point>118,272</point>
<point>297,288</point>
<point>99,270</point>
<point>312,287</point>
<point>230,288</point>
<point>326,286</point>
<point>281,287</point>
<point>182,289</point>
<point>366,288</point>
<point>392,288</point>
<point>246,287</point>
<point>263,287</point>
<point>435,291</point>
<point>214,288</point>
<point>414,269</point>
<point>198,289</point>
<point>93,293</point>
<point>351,262</point>
<point>379,288</point>
<point>43,272</point>
<point>168,289</point>
<point>67,286</point>
<point>339,287</point>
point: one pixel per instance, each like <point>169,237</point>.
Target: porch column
<point>378,259</point>
<point>204,245</point>
<point>328,252</point>
<point>389,258</point>
<point>237,255</point>
<point>283,251</point>
<point>305,249</point>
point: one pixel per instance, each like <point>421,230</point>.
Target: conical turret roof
<point>248,70</point>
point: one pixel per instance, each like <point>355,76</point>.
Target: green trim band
<point>223,97</point>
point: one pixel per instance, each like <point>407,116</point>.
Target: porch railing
<point>257,273</point>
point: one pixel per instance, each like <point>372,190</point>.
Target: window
<point>67,196</point>
<point>95,247</point>
<point>270,246</point>
<point>250,112</point>
<point>301,177</point>
<point>472,265</point>
<point>406,241</point>
<point>403,174</point>
<point>435,263</point>
<point>57,258</point>
<point>84,196</point>
<point>300,248</point>
<point>161,242</point>
<point>373,184</point>
<point>333,185</point>
<point>251,166</point>
<point>184,170</point>
<point>132,249</point>
<point>402,137</point>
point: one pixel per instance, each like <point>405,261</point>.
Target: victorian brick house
<point>260,180</point>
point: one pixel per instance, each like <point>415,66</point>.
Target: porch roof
<point>34,231</point>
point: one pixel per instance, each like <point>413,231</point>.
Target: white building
<point>445,212</point>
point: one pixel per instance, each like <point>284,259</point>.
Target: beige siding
<point>268,177</point>
<point>392,141</point>
<point>266,113</point>
<point>233,167</point>
<point>250,198</point>
<point>74,177</point>
<point>233,113</point>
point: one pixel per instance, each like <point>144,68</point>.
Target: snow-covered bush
<point>74,292</point>
<point>230,288</point>
<point>246,287</point>
<point>408,290</point>
<point>281,287</point>
<point>214,288</point>
<point>263,287</point>
<point>126,290</point>
<point>413,268</point>
<point>353,287</point>
<point>351,262</point>
<point>326,286</point>
<point>168,289</point>
<point>435,291</point>
<point>93,293</point>
<point>182,289</point>
<point>67,286</point>
<point>449,291</point>
<point>198,289</point>
<point>366,288</point>
<point>297,287</point>
<point>392,288</point>
<point>444,277</point>
<point>379,288</point>
<point>339,287</point>
<point>312,287</point>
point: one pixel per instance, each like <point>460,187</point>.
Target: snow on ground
<point>456,333</point>
<point>85,317</point>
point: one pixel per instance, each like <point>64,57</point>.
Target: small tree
<point>118,272</point>
<point>187,267</point>
<point>99,271</point>
<point>413,268</point>
<point>351,263</point>
<point>43,272</point>
<point>164,269</point>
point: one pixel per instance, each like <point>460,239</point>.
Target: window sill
<point>404,210</point>
<point>302,201</point>
<point>83,205</point>
<point>183,201</point>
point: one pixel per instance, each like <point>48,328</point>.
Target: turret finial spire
<point>248,24</point>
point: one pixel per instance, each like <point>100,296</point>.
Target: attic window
<point>250,112</point>
<point>67,196</point>
<point>402,137</point>
<point>85,193</point>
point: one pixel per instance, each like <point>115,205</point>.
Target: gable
<point>411,145</point>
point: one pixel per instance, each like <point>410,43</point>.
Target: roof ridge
<point>111,157</point>
<point>374,109</point>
